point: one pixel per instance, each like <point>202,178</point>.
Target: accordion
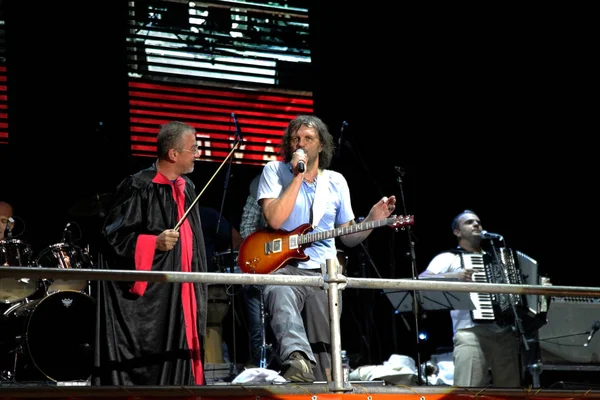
<point>502,308</point>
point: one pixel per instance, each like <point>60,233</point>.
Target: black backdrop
<point>482,109</point>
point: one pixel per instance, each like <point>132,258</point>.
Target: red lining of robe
<point>144,256</point>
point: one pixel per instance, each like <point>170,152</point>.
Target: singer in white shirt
<point>296,191</point>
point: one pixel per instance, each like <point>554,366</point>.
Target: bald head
<point>6,211</point>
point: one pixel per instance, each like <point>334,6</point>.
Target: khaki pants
<point>480,349</point>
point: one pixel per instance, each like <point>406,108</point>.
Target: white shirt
<point>334,207</point>
<point>451,262</point>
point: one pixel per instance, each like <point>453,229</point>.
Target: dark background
<point>484,108</point>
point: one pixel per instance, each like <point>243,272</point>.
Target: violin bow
<point>237,144</point>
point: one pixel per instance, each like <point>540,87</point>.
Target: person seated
<point>6,214</point>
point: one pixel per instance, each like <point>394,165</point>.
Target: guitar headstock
<point>402,220</point>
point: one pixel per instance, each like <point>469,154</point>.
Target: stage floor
<point>555,383</point>
<point>367,391</point>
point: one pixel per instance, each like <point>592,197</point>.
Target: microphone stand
<point>368,257</point>
<point>238,140</point>
<point>7,229</point>
<point>344,143</point>
<point>365,256</point>
<point>416,308</point>
<point>551,338</point>
<point>536,366</point>
<point>182,219</point>
<point>225,187</point>
<point>357,156</point>
<point>503,272</point>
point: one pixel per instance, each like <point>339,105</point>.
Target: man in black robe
<point>150,333</point>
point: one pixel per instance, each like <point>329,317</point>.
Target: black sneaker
<point>297,369</point>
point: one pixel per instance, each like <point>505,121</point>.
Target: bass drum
<point>226,261</point>
<point>52,338</point>
<point>218,306</point>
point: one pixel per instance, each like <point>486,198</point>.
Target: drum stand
<point>11,375</point>
<point>6,374</point>
<point>264,346</point>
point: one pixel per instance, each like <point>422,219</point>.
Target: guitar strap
<point>318,208</point>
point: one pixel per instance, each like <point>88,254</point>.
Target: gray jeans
<point>300,320</point>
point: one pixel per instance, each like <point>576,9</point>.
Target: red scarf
<point>144,256</point>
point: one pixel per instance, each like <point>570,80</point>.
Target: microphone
<point>594,329</point>
<point>238,131</point>
<point>101,211</point>
<point>67,234</point>
<point>301,165</point>
<point>8,228</point>
<point>491,236</point>
<point>399,170</point>
<point>339,144</point>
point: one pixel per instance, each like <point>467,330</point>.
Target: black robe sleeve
<point>141,339</point>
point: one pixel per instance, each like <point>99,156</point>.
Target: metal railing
<point>331,281</point>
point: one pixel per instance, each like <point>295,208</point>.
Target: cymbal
<point>93,206</point>
<point>16,289</point>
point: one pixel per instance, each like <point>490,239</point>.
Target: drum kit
<point>47,325</point>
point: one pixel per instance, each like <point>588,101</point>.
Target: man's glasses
<point>193,150</point>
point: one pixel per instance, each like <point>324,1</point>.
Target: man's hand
<point>167,240</point>
<point>463,275</point>
<point>382,209</point>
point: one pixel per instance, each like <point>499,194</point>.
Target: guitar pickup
<point>273,246</point>
<point>293,242</point>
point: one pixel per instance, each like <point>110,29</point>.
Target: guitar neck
<point>346,230</point>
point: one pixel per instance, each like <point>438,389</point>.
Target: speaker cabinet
<point>564,337</point>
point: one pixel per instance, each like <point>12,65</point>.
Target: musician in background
<point>252,220</point>
<point>478,347</point>
<point>6,212</point>
<point>293,192</point>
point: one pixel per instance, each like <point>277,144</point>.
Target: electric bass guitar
<point>266,250</point>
